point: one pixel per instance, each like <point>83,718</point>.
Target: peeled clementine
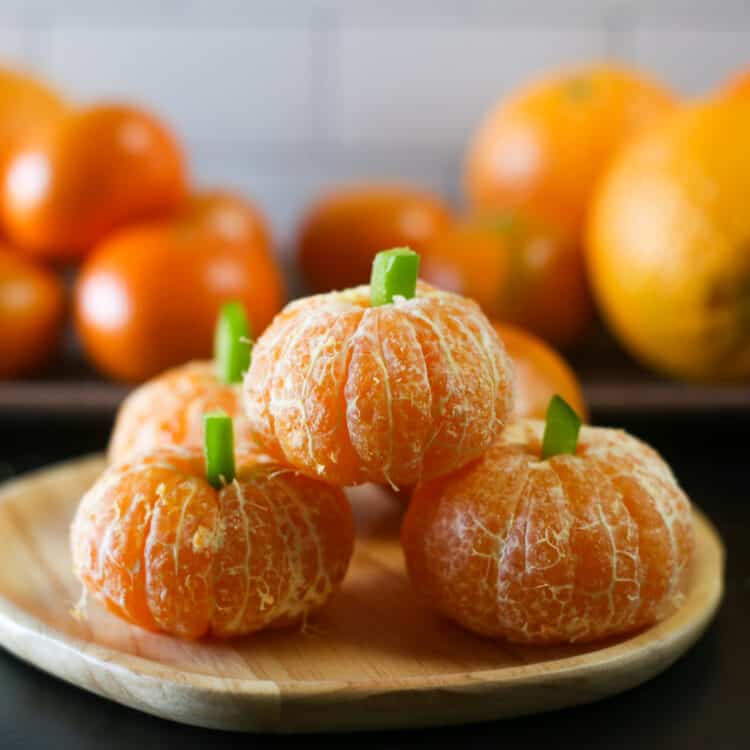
<point>96,170</point>
<point>572,548</point>
<point>163,549</point>
<point>668,243</point>
<point>544,148</point>
<point>32,312</point>
<point>518,270</point>
<point>168,411</point>
<point>148,297</point>
<point>353,393</point>
<point>540,374</point>
<point>343,231</point>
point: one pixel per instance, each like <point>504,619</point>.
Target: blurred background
<point>327,129</point>
<point>281,99</point>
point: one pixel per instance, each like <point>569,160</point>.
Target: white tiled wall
<point>692,58</point>
<point>245,85</point>
<point>12,43</point>
<point>426,87</point>
<point>282,97</point>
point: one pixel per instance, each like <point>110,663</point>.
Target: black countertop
<point>702,701</point>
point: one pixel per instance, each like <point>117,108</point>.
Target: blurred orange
<point>669,243</point>
<point>96,170</point>
<point>148,296</point>
<point>344,230</point>
<point>737,85</point>
<point>27,108</point>
<point>540,374</point>
<point>230,216</point>
<point>517,270</point>
<point>32,309</point>
<point>545,147</point>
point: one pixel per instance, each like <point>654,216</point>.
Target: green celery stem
<point>218,437</point>
<point>561,429</point>
<point>232,348</point>
<point>394,274</point>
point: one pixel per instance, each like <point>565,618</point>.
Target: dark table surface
<point>702,701</point>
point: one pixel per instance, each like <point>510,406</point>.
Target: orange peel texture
<point>168,410</point>
<point>164,550</point>
<point>352,393</point>
<point>574,548</point>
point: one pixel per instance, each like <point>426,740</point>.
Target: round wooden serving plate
<point>374,658</point>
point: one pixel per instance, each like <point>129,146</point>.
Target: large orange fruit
<point>343,231</point>
<point>669,243</point>
<point>518,270</point>
<point>571,548</point>
<point>163,549</point>
<point>544,147</point>
<point>353,393</point>
<point>541,373</point>
<point>32,311</point>
<point>27,108</point>
<point>148,297</point>
<point>96,170</point>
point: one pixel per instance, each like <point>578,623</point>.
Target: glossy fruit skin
<point>32,312</point>
<point>343,231</point>
<point>230,216</point>
<point>668,244</point>
<point>519,271</point>
<point>544,148</point>
<point>164,550</point>
<point>95,171</point>
<point>27,108</point>
<point>168,411</point>
<point>148,297</point>
<point>540,374</point>
<point>737,85</point>
<point>571,549</point>
<point>352,393</point>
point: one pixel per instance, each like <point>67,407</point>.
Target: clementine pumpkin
<point>167,411</point>
<point>163,549</point>
<point>351,392</point>
<point>552,550</point>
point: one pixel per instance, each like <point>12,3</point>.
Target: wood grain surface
<point>374,658</point>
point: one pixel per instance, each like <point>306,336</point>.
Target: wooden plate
<point>373,659</point>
